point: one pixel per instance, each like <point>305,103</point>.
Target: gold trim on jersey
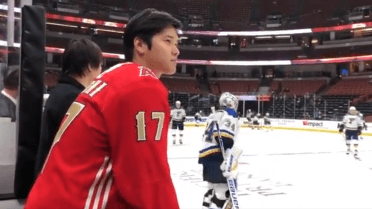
<point>209,152</point>
<point>224,134</point>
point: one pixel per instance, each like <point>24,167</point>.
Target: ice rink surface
<point>281,169</point>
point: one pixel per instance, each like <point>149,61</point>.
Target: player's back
<point>113,154</point>
<point>227,126</point>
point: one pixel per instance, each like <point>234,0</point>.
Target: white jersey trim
<point>107,192</point>
<point>100,188</point>
<point>95,182</point>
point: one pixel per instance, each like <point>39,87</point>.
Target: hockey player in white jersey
<point>267,121</point>
<point>256,123</point>
<point>249,118</point>
<point>353,128</point>
<point>178,118</point>
<point>222,126</point>
<point>197,118</point>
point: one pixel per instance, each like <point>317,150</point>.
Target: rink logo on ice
<point>312,124</point>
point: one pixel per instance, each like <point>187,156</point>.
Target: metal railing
<point>309,106</point>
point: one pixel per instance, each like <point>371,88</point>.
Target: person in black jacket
<point>81,63</point>
<point>9,94</point>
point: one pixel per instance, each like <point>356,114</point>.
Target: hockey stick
<point>230,180</point>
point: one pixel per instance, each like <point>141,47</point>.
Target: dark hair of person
<point>80,54</point>
<point>145,25</point>
<point>11,79</point>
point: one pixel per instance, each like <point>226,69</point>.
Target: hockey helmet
<point>352,110</point>
<point>229,100</point>
<point>178,104</point>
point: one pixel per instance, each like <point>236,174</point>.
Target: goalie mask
<point>178,104</point>
<point>229,100</point>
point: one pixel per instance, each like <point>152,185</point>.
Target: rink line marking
<point>273,154</point>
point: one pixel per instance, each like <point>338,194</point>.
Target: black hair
<point>80,54</point>
<point>11,79</point>
<point>145,25</point>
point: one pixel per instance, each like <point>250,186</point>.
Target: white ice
<point>281,169</point>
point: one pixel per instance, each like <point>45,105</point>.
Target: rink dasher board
<point>288,124</point>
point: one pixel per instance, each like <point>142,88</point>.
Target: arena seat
<point>351,86</point>
<point>234,86</point>
<point>181,85</point>
<point>298,87</point>
<point>194,7</point>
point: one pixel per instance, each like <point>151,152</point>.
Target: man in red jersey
<point>111,148</point>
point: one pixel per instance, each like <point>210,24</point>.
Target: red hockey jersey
<point>111,148</point>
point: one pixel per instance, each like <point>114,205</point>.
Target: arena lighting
<point>5,43</point>
<point>111,31</point>
<point>74,19</point>
<point>248,33</point>
<point>85,20</point>
<point>5,7</point>
<point>234,63</point>
<point>332,60</point>
<point>63,25</point>
<point>265,33</point>
<point>252,63</point>
<point>17,18</point>
<point>282,37</point>
<point>343,27</point>
<point>74,26</point>
<point>263,37</point>
<point>106,55</point>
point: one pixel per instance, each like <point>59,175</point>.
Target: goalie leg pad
<point>219,203</point>
<point>208,198</point>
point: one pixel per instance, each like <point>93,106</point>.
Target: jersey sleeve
<point>360,122</point>
<point>137,123</point>
<point>344,120</point>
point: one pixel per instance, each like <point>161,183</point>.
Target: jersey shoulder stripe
<point>209,151</point>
